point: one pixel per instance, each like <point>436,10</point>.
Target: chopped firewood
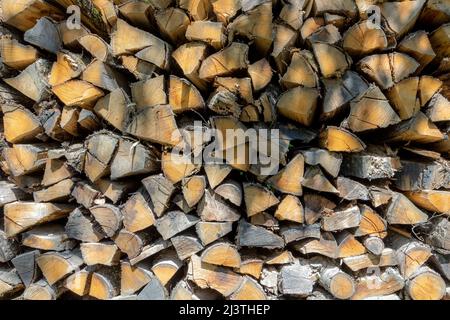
<point>222,254</point>
<point>439,109</point>
<point>133,278</point>
<point>210,231</point>
<point>249,290</point>
<point>186,245</point>
<point>231,191</point>
<point>77,93</point>
<point>374,245</point>
<point>348,245</point>
<point>351,189</point>
<point>257,199</point>
<point>137,213</point>
<point>44,34</point>
<point>16,55</point>
<point>292,233</point>
<point>284,39</point>
<point>371,110</point>
<point>431,200</point>
<point>326,245</point>
<point>370,166</point>
<point>213,208</point>
<point>96,46</point>
<point>206,31</point>
<point>332,60</point>
<point>409,10</point>
<point>296,279</point>
<point>20,124</point>
<point>174,222</point>
<point>57,192</point>
<point>225,62</point>
<point>439,234</point>
<point>249,235</point>
<point>20,216</point>
<point>315,204</point>
<point>261,73</point>
<point>114,108</point>
<point>285,257</point>
<point>109,217</point>
<point>331,162</point>
<point>105,283</point>
<point>100,253</point>
<point>387,258</point>
<point>373,285</point>
<point>251,266</point>
<point>315,179</point>
<point>418,46</point>
<point>289,179</point>
<point>291,209</point>
<point>425,284</point>
<point>371,224</point>
<point>402,211</point>
<point>26,267</point>
<point>215,277</point>
<point>188,58</point>
<point>67,66</point>
<point>362,39</point>
<point>172,23</point>
<point>48,237</point>
<point>83,227</point>
<point>183,95</point>
<point>150,250</point>
<point>339,220</point>
<point>299,104</point>
<point>130,243</point>
<point>160,190</point>
<point>337,282</point>
<point>9,248</point>
<point>340,140</point>
<point>166,266</point>
<point>58,265</point>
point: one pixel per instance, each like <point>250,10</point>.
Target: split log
<point>187,245</point>
<point>160,190</point>
<point>100,253</point>
<point>290,209</point>
<point>26,266</point>
<point>257,199</point>
<point>231,191</point>
<point>364,261</point>
<point>48,237</point>
<point>337,282</point>
<point>104,283</point>
<point>370,286</point>
<point>339,220</point>
<point>16,55</point>
<point>166,266</point>
<point>315,179</point>
<point>173,223</point>
<point>137,213</point>
<point>297,279</point>
<point>222,254</point>
<point>213,208</point>
<point>56,266</point>
<point>299,104</point>
<point>249,235</point>
<point>425,284</point>
<point>208,232</point>
<point>340,140</point>
<point>289,179</point>
<point>402,211</point>
<point>108,217</point>
<point>20,216</point>
<point>41,290</point>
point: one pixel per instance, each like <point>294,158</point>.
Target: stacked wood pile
<point>94,204</point>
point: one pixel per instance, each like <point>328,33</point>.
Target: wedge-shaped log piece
<point>20,124</point>
<point>431,200</point>
<point>44,35</point>
<point>339,92</point>
<point>23,15</point>
<point>105,283</point>
<point>164,129</point>
<point>326,245</point>
<point>78,282</point>
<point>137,213</point>
<point>188,58</point>
<point>66,67</point>
<point>208,232</point>
<point>10,283</point>
<point>371,223</point>
<point>109,217</point>
<point>252,236</point>
<point>231,191</point>
<point>291,209</point>
<point>401,16</point>
<point>251,266</point>
<point>103,76</point>
<point>154,290</point>
<point>387,69</point>
<point>255,24</point>
<point>150,92</point>
<point>370,166</point>
<point>96,46</point>
<point>302,71</point>
<point>26,267</point>
<point>225,62</point>
<point>133,278</point>
<point>222,254</point>
<point>279,258</point>
<point>131,243</point>
<point>114,108</point>
<point>387,258</point>
<point>216,173</point>
<point>183,95</point>
<point>186,245</point>
<point>411,254</point>
<point>177,167</point>
<point>417,175</point>
<point>210,32</point>
<point>404,97</point>
<point>83,227</point>
<point>402,211</point>
<point>127,39</point>
<point>213,208</point>
<point>26,158</point>
<point>48,237</point>
<point>389,281</point>
<point>16,55</point>
<point>41,290</point>
<point>249,290</point>
<point>133,158</point>
<point>139,68</point>
<point>104,253</point>
<point>297,279</point>
<point>150,250</point>
<point>284,39</point>
<point>348,245</point>
<point>157,53</point>
<point>160,190</point>
<point>261,73</point>
<point>32,81</point>
<point>352,190</point>
<point>173,223</point>
<point>439,109</point>
<point>209,276</point>
<point>58,265</point>
<point>193,189</point>
<point>257,198</point>
<point>330,162</point>
<point>371,110</point>
<point>332,60</point>
<point>20,216</point>
<point>363,39</point>
<point>340,220</point>
<point>166,266</point>
<point>340,140</point>
<point>9,248</point>
<point>425,284</point>
<point>428,87</point>
<point>58,192</point>
<point>337,282</point>
<point>288,179</point>
<point>299,104</point>
<point>418,46</point>
<point>172,23</point>
<point>292,233</point>
<point>315,179</point>
<point>78,93</point>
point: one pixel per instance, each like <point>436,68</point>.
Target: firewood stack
<point>95,205</point>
